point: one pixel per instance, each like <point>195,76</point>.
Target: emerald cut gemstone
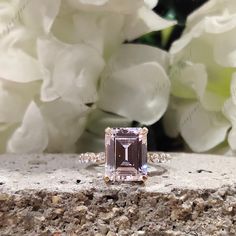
<point>126,154</point>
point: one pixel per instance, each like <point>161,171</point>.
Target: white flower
<point>45,84</point>
<point>135,84</point>
<point>52,54</point>
<point>203,63</point>
<point>74,75</point>
<point>105,24</point>
<point>22,138</point>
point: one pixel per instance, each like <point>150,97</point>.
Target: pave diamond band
<point>158,157</point>
<point>99,158</point>
<point>91,157</point>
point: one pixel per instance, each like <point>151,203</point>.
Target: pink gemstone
<point>126,154</point>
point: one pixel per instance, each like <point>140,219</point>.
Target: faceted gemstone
<point>126,154</point>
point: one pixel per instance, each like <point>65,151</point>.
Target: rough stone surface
<point>55,195</point>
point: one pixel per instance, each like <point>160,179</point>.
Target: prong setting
<point>106,179</point>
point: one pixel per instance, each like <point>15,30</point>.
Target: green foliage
<point>172,10</point>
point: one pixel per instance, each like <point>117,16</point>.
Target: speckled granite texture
<point>55,195</point>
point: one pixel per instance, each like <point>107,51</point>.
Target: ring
<point>125,155</point>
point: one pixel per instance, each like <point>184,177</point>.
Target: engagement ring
<point>126,155</point>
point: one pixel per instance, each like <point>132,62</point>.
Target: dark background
<point>175,10</point>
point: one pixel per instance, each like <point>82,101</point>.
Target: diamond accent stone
<point>126,154</point>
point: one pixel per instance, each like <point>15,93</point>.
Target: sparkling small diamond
<point>126,154</point>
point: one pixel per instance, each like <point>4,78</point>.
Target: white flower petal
<point>47,51</point>
<point>218,88</point>
<point>201,129</point>
<point>31,136</point>
<point>122,94</point>
<point>101,31</point>
<point>218,78</point>
<point>65,123</point>
<point>232,138</point>
<point>204,27</point>
<point>18,66</point>
<point>81,65</point>
<point>87,30</point>
<point>233,88</point>
<point>19,37</point>
<point>99,120</point>
<point>229,110</point>
<point>172,117</point>
<point>6,131</point>
<point>133,54</point>
<point>212,101</point>
<point>171,122</point>
<point>12,31</point>
<point>40,15</point>
<point>224,48</point>
<point>211,8</point>
<point>8,10</point>
<point>131,66</point>
<point>94,2</point>
<point>203,30</point>
<point>121,6</point>
<point>63,26</point>
<point>14,99</point>
<point>145,21</point>
<point>220,24</point>
<point>188,80</point>
<point>75,73</point>
<point>151,3</point>
<point>221,149</point>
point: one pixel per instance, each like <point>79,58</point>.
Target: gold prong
<point>145,177</point>
<point>108,130</point>
<point>144,130</point>
<point>106,179</point>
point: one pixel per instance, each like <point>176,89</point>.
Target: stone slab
<point>62,172</point>
<point>56,195</point>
